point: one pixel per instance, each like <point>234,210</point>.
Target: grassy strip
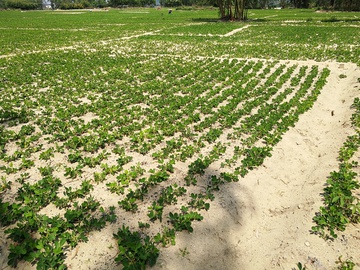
<point>340,205</point>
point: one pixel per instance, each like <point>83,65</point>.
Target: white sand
<point>264,220</point>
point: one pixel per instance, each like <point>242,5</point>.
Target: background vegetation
<point>343,5</point>
<point>87,96</point>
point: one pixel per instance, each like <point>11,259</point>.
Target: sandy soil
<point>264,220</point>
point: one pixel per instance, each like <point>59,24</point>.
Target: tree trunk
<point>221,8</point>
<point>232,9</point>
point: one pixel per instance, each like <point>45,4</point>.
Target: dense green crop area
<point>159,110</point>
<point>269,34</point>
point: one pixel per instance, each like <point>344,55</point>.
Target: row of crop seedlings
<point>198,167</point>
<point>209,121</point>
<point>75,142</point>
<point>260,130</point>
<point>67,127</point>
<point>177,116</point>
<point>128,184</point>
<point>231,109</point>
<point>252,157</point>
<point>47,250</point>
<point>251,112</point>
<point>82,128</point>
<point>184,124</point>
<point>172,103</point>
<point>265,109</point>
<point>41,239</point>
<point>173,144</point>
<point>275,121</point>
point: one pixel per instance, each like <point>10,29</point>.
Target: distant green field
<point>280,34</point>
<point>123,100</point>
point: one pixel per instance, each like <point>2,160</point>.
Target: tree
<point>348,5</point>
<point>24,4</point>
<point>300,3</point>
<point>233,9</point>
